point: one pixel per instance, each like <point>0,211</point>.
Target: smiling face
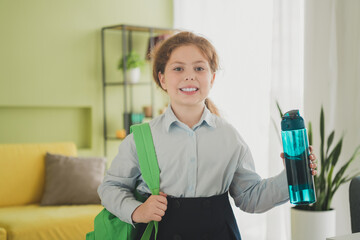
<point>187,77</point>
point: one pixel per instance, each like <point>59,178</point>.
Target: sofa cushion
<point>72,180</point>
<point>33,222</point>
<point>22,171</point>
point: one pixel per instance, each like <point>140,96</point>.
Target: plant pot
<point>312,225</point>
<point>133,75</point>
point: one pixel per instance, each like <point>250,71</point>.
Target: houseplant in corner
<point>133,62</point>
<point>317,221</point>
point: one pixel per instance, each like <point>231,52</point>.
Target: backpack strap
<point>148,165</point>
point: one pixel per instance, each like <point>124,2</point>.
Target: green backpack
<point>109,227</point>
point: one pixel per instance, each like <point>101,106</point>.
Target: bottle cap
<point>292,121</point>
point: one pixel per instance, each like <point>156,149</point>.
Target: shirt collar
<point>170,118</point>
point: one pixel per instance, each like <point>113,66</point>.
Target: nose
<point>189,77</point>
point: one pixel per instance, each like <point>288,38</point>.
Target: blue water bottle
<point>296,151</point>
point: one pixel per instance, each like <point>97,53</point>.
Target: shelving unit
<point>126,40</point>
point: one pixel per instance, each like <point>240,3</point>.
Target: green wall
<point>50,66</point>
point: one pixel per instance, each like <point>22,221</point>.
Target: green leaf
<point>321,199</point>
<point>339,175</point>
<point>276,129</point>
<point>333,156</point>
<point>310,134</point>
<point>330,176</point>
<point>132,60</point>
<point>278,107</point>
<point>322,130</point>
<point>275,124</point>
<point>336,152</point>
<point>338,185</point>
<point>353,176</point>
<point>328,203</point>
<point>329,187</point>
<point>329,141</point>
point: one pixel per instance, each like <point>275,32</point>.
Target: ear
<point>162,80</point>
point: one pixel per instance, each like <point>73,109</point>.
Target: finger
<point>163,194</point>
<point>311,149</point>
<point>156,218</point>
<point>313,166</point>
<point>313,172</point>
<point>162,200</point>
<point>162,206</point>
<point>282,155</point>
<point>312,157</point>
<point>159,212</point>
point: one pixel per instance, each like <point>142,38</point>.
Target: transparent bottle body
<point>298,171</point>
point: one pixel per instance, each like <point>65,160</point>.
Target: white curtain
<point>332,79</point>
<point>287,88</point>
<point>260,44</point>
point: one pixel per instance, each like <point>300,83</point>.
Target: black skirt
<point>196,219</point>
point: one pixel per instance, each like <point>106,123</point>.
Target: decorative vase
<point>312,225</point>
<point>133,75</point>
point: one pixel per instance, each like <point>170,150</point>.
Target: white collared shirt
<point>208,159</point>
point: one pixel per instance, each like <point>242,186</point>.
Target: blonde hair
<point>161,55</point>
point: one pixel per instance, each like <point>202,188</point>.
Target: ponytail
<point>212,107</point>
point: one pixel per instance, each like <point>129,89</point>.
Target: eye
<point>178,69</point>
<point>199,69</point>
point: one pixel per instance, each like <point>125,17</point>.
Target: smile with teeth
<point>189,89</point>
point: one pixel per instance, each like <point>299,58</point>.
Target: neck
<point>190,115</point>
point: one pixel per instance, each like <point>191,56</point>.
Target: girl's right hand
<point>153,209</point>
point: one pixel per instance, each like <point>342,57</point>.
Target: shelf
<point>46,123</point>
<point>124,43</point>
<point>141,29</point>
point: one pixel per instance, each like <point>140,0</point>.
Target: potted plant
<point>133,63</point>
<point>317,221</point>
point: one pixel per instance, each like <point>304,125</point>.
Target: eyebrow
<point>182,63</point>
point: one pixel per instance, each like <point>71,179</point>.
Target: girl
<point>201,157</point>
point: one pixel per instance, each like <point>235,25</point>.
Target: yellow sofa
<point>22,177</point>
